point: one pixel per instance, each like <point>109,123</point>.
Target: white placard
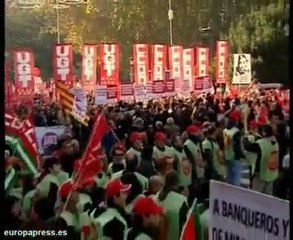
<point>238,213</point>
<point>139,92</point>
<point>101,96</point>
<point>48,135</point>
<point>80,101</point>
<point>242,69</point>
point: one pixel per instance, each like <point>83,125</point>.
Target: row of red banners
<point>184,65</point>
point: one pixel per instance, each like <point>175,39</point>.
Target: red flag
<point>101,127</point>
<point>91,162</point>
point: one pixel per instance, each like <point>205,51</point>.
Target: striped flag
<point>70,105</point>
<point>192,228</point>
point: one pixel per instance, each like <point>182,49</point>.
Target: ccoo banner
<point>202,61</point>
<point>238,213</point>
<point>141,63</point>
<point>89,67</point>
<point>242,69</point>
<point>176,65</point>
<point>63,64</point>
<point>159,56</point>
<point>24,64</point>
<point>222,62</point>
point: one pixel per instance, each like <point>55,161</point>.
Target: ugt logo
<point>23,68</point>
<point>62,54</point>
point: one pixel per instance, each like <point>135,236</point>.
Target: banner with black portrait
<point>242,69</point>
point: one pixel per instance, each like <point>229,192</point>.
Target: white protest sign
<point>80,101</point>
<point>48,135</point>
<point>241,214</point>
<point>101,95</point>
<point>139,92</point>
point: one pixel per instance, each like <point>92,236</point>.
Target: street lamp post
<point>170,17</point>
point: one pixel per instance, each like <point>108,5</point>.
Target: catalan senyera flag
<point>70,106</point>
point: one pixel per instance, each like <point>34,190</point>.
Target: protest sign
<point>112,93</point>
<point>101,95</point>
<point>139,93</point>
<point>242,214</point>
<point>126,92</point>
<point>47,136</point>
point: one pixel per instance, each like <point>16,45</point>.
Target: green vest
<point>143,236</point>
<point>157,153</point>
<point>268,151</point>
<point>183,168</point>
<point>44,186</point>
<point>196,153</point>
<point>83,199</point>
<point>27,202</point>
<point>62,177</point>
<point>102,182</point>
<point>135,153</point>
<point>214,148</point>
<point>172,205</point>
<point>228,135</point>
<point>107,216</point>
<point>70,219</point>
<point>250,157</point>
<point>144,182</point>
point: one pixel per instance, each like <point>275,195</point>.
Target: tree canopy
<point>146,21</point>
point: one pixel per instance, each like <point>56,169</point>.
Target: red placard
<point>222,62</point>
<point>188,68</point>
<point>159,56</point>
<point>202,61</point>
<point>126,90</point>
<point>24,63</point>
<point>112,92</point>
<point>89,67</point>
<point>63,64</point>
<point>202,83</point>
<point>158,87</point>
<point>176,64</point>
<point>141,63</point>
<point>109,64</point>
<point>169,86</point>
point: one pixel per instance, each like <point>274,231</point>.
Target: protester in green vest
<point>48,185</point>
<point>161,150</point>
<point>193,151</point>
<point>232,145</point>
<point>211,153</point>
<point>175,207</point>
<point>183,166</point>
<point>118,160</point>
<point>68,219</point>
<point>267,162</point>
<point>112,222</point>
<point>131,167</point>
<point>137,145</point>
<point>155,185</point>
<point>250,157</point>
<point>146,219</point>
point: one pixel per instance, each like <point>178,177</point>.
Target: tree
<point>261,33</point>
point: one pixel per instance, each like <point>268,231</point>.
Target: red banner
<point>202,61</point>
<point>63,64</point>
<point>222,62</point>
<point>141,63</point>
<point>176,65</point>
<point>203,84</point>
<point>159,56</point>
<point>188,68</point>
<point>169,86</point>
<point>158,87</point>
<point>89,67</point>
<point>109,64</point>
<point>126,92</point>
<point>24,64</point>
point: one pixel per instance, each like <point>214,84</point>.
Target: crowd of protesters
<point>157,159</point>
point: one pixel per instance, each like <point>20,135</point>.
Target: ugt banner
<point>24,63</point>
<point>89,67</point>
<point>63,64</point>
<point>109,64</point>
